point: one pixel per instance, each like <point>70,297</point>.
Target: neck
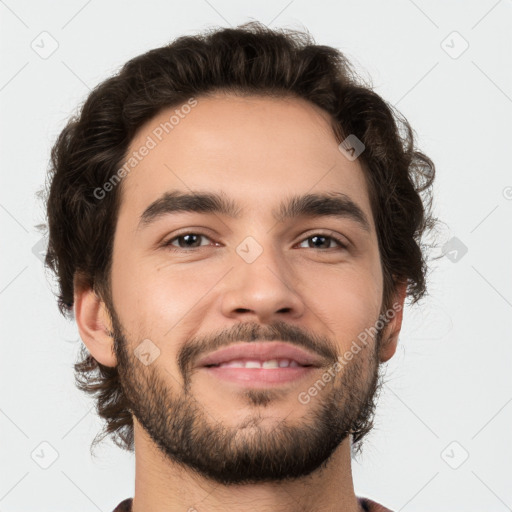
<point>161,485</point>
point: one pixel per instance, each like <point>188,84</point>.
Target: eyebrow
<point>331,204</point>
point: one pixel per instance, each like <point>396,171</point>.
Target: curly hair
<point>248,59</point>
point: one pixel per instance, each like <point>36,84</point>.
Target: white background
<point>450,379</point>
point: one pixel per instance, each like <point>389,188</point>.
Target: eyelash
<point>343,246</point>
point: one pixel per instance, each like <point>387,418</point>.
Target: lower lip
<point>259,376</point>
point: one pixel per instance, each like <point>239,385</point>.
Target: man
<point>235,222</point>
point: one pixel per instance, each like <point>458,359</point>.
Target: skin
<point>257,151</point>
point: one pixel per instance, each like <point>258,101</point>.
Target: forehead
<point>253,149</point>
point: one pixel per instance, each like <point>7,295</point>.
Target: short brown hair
<point>249,59</point>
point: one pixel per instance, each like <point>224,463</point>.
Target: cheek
<point>347,299</point>
<point>135,296</point>
<point>162,300</point>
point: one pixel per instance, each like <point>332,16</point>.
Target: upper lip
<point>260,351</point>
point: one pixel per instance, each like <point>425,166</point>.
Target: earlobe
<point>392,330</point>
<point>94,325</point>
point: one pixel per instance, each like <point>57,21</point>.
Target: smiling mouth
<point>271,364</point>
<point>260,364</point>
<point>259,374</point>
<point>253,355</point>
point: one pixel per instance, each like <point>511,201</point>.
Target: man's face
<point>230,280</point>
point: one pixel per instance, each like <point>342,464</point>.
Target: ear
<point>94,324</point>
<point>392,329</point>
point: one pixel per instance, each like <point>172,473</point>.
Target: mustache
<point>251,331</point>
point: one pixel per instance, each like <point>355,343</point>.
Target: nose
<point>264,289</point>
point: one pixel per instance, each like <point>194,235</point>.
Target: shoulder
<point>368,505</point>
<point>124,506</point>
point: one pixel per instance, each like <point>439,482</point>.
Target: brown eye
<point>321,241</point>
<point>186,241</point>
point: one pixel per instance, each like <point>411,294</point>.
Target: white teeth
<point>270,364</point>
<point>233,364</point>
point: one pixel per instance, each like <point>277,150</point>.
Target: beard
<point>250,452</point>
